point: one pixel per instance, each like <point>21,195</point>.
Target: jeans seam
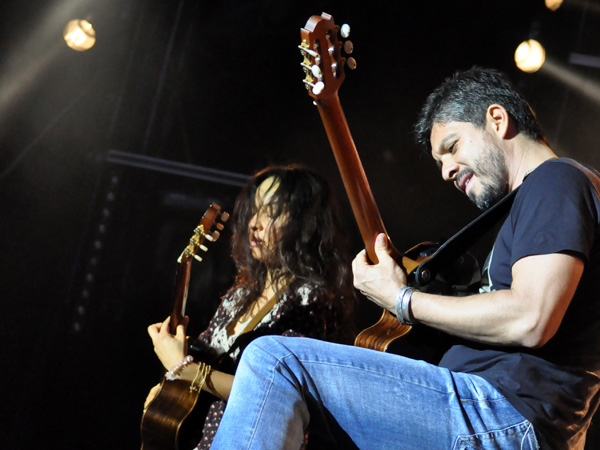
<point>367,370</point>
<point>489,434</point>
<point>264,400</point>
<point>487,400</point>
<point>526,435</point>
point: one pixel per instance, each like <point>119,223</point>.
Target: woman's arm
<point>217,383</point>
<point>170,349</point>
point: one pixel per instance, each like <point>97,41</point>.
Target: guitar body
<point>162,426</point>
<point>387,329</point>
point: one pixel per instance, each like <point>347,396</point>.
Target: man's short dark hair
<point>466,96</point>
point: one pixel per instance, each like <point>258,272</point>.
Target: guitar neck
<point>181,293</point>
<point>353,175</point>
<point>355,180</point>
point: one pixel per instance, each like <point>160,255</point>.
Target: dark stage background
<point>108,159</point>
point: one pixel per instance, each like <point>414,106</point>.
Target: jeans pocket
<point>517,437</point>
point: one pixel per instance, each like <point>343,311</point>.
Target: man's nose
<point>449,169</point>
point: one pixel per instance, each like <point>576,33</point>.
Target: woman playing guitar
<point>292,279</point>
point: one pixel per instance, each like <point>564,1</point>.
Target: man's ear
<point>499,121</point>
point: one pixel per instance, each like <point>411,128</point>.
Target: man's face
<point>472,160</point>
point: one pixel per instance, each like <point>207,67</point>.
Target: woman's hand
<point>169,349</point>
<point>151,395</point>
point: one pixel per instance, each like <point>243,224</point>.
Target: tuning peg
<point>351,62</point>
<point>348,47</point>
<point>318,87</point>
<point>215,235</point>
<point>334,69</point>
<point>203,248</point>
<point>224,216</point>
<point>345,30</point>
<point>197,258</point>
<point>220,226</point>
<point>305,49</point>
<point>316,71</point>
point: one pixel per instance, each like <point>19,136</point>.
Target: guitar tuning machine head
<point>318,87</point>
<point>348,47</point>
<point>345,30</point>
<point>316,71</point>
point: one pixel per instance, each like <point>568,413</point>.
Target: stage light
<point>530,56</point>
<point>553,5</point>
<point>585,85</point>
<point>79,35</point>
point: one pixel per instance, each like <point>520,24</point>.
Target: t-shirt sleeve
<point>555,211</point>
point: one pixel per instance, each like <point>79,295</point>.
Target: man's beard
<point>490,169</point>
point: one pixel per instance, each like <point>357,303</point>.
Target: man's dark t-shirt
<point>556,387</point>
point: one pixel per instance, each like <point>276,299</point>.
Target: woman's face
<point>264,229</point>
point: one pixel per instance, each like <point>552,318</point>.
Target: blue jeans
<point>350,397</point>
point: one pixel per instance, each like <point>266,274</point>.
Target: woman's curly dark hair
<point>311,245</point>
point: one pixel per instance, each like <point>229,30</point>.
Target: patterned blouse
<point>302,312</point>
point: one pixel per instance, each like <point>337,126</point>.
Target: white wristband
<point>175,371</point>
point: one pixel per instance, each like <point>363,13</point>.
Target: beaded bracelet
<point>403,298</point>
<point>201,374</point>
<point>175,371</point>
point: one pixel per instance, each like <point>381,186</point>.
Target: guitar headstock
<point>209,229</point>
<point>322,52</point>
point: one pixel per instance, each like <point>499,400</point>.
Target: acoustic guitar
<point>324,67</point>
<point>162,422</point>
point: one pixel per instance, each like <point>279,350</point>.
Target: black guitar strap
<point>458,244</point>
